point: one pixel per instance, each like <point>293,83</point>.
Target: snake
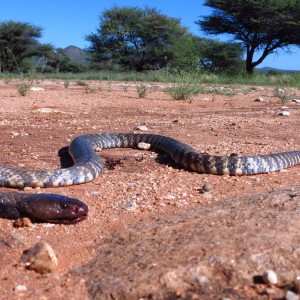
<point>87,166</point>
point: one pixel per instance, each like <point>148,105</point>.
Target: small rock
<point>174,279</point>
<point>23,222</point>
<point>95,193</point>
<point>13,134</point>
<point>40,258</point>
<point>291,296</point>
<point>206,187</point>
<point>270,277</point>
<point>36,89</point>
<point>170,197</point>
<point>20,288</point>
<point>129,206</point>
<point>142,128</point>
<point>284,108</point>
<point>46,110</point>
<point>284,113</point>
<point>144,146</point>
<point>260,99</point>
<point>296,100</point>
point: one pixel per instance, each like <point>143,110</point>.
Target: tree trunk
<point>249,63</point>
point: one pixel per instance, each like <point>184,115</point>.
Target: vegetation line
<point>288,79</point>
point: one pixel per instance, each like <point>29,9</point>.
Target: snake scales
<point>88,165</point>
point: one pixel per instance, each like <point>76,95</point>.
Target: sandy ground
<point>137,186</point>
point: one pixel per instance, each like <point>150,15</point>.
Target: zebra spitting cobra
<point>88,165</point>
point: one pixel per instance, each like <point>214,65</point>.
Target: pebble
<point>22,222</point>
<point>142,128</point>
<point>46,110</point>
<point>129,206</point>
<point>291,296</point>
<point>284,113</point>
<point>296,101</point>
<point>270,277</point>
<point>206,187</point>
<point>260,99</point>
<point>284,108</point>
<point>36,89</point>
<point>20,288</point>
<point>40,258</point>
<point>144,146</point>
<point>95,193</point>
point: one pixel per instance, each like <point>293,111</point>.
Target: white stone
<point>291,296</point>
<point>20,288</point>
<point>144,146</point>
<point>270,277</point>
<point>284,113</point>
<point>37,89</point>
<point>142,128</point>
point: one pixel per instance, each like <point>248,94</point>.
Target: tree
<point>186,53</point>
<point>59,61</point>
<point>263,26</point>
<point>138,39</point>
<point>221,57</point>
<point>18,40</point>
<point>191,52</point>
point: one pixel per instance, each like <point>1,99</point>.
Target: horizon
<point>66,23</point>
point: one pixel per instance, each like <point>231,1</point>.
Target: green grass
<point>283,94</point>
<point>284,79</point>
<point>141,90</point>
<point>24,86</point>
<point>186,86</point>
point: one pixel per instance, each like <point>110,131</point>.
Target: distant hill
<point>76,54</point>
<point>270,69</point>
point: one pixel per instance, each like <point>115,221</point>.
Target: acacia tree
<point>221,57</point>
<point>18,40</point>
<point>135,38</point>
<point>191,52</point>
<point>263,26</point>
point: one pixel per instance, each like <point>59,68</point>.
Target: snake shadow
<point>162,158</point>
<point>65,158</point>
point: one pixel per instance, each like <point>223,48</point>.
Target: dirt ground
<point>142,201</point>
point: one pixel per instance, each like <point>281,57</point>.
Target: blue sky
<point>66,22</point>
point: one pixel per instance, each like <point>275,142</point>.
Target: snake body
<point>88,165</point>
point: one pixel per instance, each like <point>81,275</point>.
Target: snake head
<point>52,208</point>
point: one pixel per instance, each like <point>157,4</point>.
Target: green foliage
<point>220,57</point>
<point>283,94</point>
<point>57,61</point>
<point>136,39</point>
<point>291,79</point>
<point>142,90</point>
<point>261,26</point>
<point>186,53</point>
<point>81,83</point>
<point>87,88</point>
<point>186,86</point>
<point>24,86</point>
<point>18,41</point>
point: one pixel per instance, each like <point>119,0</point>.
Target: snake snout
<point>80,212</point>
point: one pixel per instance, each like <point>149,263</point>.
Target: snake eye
<point>63,205</point>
